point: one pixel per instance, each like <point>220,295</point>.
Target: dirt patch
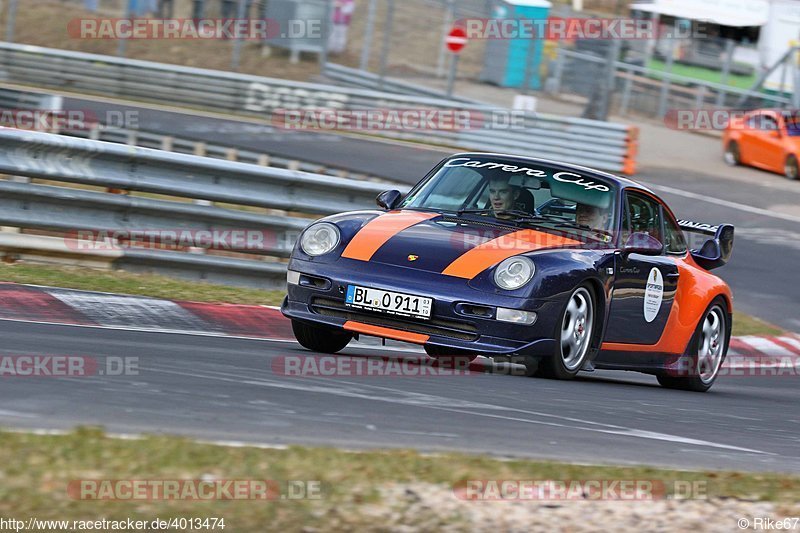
<point>44,23</point>
<point>426,506</point>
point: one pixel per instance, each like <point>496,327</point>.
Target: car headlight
<point>514,273</point>
<point>319,239</point>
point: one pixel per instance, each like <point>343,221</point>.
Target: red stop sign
<point>456,40</point>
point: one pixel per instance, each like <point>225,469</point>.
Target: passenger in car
<point>592,217</point>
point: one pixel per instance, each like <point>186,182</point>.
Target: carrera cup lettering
<point>588,185</point>
<point>496,166</point>
<point>563,177</point>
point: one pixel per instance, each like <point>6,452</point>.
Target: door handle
<point>674,275</point>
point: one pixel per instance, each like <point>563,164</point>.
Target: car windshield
<point>518,192</point>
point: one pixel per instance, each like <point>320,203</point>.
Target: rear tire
<point>791,169</point>
<point>320,339</point>
<point>707,351</point>
<point>733,157</point>
<point>574,337</point>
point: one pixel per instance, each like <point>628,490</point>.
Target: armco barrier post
<point>632,142</point>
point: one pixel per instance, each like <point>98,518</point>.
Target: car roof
<point>622,183</point>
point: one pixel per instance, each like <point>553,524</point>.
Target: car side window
<point>644,215</point>
<point>769,124</point>
<point>626,222</point>
<point>792,125</point>
<point>762,122</point>
<point>673,234</point>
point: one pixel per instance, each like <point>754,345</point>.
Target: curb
<point>75,307</point>
<point>32,303</point>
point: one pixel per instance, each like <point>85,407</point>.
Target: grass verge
<point>137,284</point>
<point>176,289</point>
<point>704,74</point>
<point>37,470</point>
<point>749,325</point>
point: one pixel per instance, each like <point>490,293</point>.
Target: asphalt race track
<point>226,389</point>
<point>767,247</point>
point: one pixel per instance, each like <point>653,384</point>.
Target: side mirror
<point>642,243</point>
<point>389,199</point>
<point>776,134</point>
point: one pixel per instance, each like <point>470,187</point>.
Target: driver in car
<point>502,195</point>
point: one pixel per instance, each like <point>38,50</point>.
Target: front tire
<point>733,156</point>
<point>707,351</point>
<point>320,339</point>
<point>791,169</point>
<point>574,338</point>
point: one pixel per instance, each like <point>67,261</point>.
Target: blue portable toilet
<point>505,59</point>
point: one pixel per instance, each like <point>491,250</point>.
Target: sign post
<point>455,42</point>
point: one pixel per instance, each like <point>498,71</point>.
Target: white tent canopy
<point>735,13</point>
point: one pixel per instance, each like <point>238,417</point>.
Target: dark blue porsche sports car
<point>555,266</point>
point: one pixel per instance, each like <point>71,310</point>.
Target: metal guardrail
<point>159,141</point>
<point>577,140</point>
<point>15,100</point>
<point>541,135</point>
<point>49,208</point>
<point>87,162</point>
<point>200,181</point>
<point>353,77</point>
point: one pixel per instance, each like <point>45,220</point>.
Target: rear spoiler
<point>715,252</point>
<point>698,227</point>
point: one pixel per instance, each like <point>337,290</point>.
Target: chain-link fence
<point>405,38</point>
<point>624,78</point>
<point>156,8</point>
<point>52,24</point>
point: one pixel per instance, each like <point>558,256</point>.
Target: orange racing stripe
<point>387,333</point>
<point>492,252</point>
<point>379,230</point>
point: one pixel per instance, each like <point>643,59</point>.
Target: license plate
<point>393,303</point>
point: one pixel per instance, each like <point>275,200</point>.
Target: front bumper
<point>450,325</point>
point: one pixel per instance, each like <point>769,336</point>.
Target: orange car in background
<point>766,139</point>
